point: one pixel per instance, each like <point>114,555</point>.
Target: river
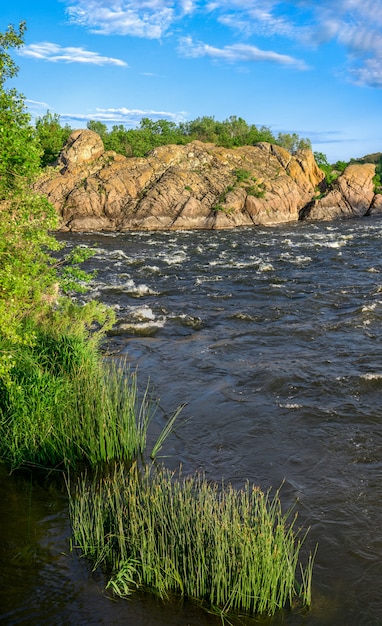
<point>273,339</point>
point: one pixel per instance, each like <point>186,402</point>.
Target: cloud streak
<point>238,52</point>
<point>123,115</point>
<point>55,53</point>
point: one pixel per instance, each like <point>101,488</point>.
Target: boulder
<point>376,205</point>
<point>82,146</point>
<point>351,195</point>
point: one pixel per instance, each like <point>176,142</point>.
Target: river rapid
<point>273,339</point>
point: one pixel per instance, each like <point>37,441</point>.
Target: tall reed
<point>226,548</point>
<point>61,403</point>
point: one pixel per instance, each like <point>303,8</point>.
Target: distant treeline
<point>137,142</point>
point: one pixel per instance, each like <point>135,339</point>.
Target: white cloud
<point>122,115</point>
<point>370,73</point>
<point>238,52</point>
<point>35,104</point>
<point>55,53</point>
<point>139,18</point>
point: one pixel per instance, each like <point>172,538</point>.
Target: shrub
<point>242,175</point>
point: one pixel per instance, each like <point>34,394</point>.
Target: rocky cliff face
<point>197,186</point>
<point>351,195</point>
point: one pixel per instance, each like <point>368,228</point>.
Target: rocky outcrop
<point>196,186</point>
<point>351,195</point>
<point>81,147</point>
<point>177,187</point>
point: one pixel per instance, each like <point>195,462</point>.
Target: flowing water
<point>273,338</point>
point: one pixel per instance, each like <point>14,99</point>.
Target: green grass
<point>230,550</point>
<point>241,175</point>
<point>61,403</point>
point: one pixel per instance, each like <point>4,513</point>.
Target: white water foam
<point>372,376</point>
<point>130,288</point>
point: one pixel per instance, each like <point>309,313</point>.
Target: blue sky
<point>305,66</point>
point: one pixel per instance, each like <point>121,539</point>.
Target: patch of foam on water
<point>102,253</point>
<point>369,307</point>
<point>117,254</point>
<point>241,264</point>
<point>335,244</point>
<point>331,240</point>
<point>290,405</point>
<point>245,317</point>
<point>176,258</point>
<point>208,279</point>
<point>139,320</point>
<point>154,269</point>
<point>130,288</point>
<point>298,259</point>
<point>266,267</point>
<point>140,313</point>
<point>218,263</point>
<point>372,376</point>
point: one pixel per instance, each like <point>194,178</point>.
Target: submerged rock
<point>196,186</point>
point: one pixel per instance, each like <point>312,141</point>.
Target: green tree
<point>12,38</point>
<point>118,140</point>
<point>292,142</point>
<point>331,171</point>
<point>25,218</point>
<point>19,151</point>
<point>202,128</point>
<point>234,131</point>
<point>340,166</point>
<point>99,128</point>
<point>29,274</point>
<point>263,133</point>
<point>51,136</point>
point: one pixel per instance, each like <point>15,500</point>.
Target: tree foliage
<point>230,133</point>
<point>293,143</point>
<point>25,218</point>
<point>30,274</point>
<point>331,171</point>
<point>19,152</point>
<point>51,136</point>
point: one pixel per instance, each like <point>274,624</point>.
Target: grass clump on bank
<point>62,403</point>
<point>230,550</point>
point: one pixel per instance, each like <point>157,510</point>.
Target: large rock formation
<point>197,186</point>
<point>177,187</point>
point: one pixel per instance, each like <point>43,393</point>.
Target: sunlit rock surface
<point>197,186</point>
